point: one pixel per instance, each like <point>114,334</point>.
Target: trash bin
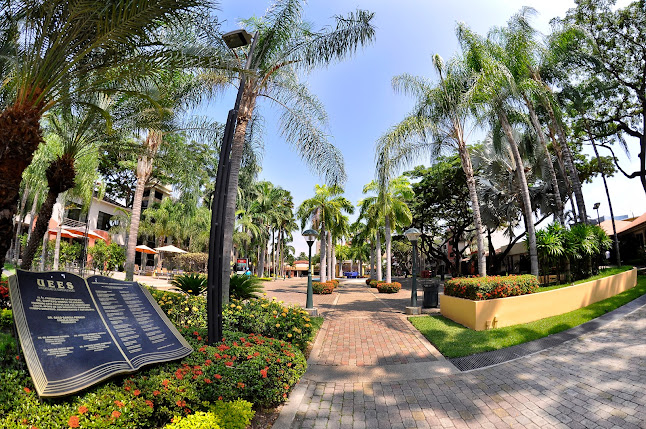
<point>431,298</point>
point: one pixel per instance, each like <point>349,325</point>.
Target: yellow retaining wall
<point>479,315</point>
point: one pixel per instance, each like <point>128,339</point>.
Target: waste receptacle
<point>431,298</point>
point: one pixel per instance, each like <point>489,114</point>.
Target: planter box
<point>497,313</point>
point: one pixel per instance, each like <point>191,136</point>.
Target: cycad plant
<point>245,287</point>
<point>191,283</point>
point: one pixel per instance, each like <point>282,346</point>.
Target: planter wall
<point>497,313</point>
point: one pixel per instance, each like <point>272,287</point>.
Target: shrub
<point>245,287</point>
<point>4,295</point>
<point>6,319</point>
<point>182,310</point>
<point>189,261</point>
<point>106,257</point>
<point>483,288</point>
<point>374,283</point>
<point>265,279</point>
<point>192,283</point>
<point>226,415</point>
<point>269,318</point>
<point>335,282</point>
<point>384,287</point>
<point>322,288</point>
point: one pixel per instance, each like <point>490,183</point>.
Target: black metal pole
<point>413,292</point>
<point>310,300</point>
<point>218,214</point>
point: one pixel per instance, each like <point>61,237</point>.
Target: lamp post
<point>596,207</point>
<point>413,235</point>
<point>233,39</point>
<point>310,236</point>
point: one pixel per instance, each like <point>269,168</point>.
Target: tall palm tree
<point>286,44</point>
<point>440,119</point>
<point>59,44</point>
<point>391,200</point>
<point>321,211</point>
<point>371,230</point>
<point>495,92</point>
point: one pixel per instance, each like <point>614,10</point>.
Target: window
<point>158,195</point>
<point>104,222</point>
<point>146,193</point>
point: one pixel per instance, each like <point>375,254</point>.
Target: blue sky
<point>359,98</point>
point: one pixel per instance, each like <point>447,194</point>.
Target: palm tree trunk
<point>144,169</point>
<point>57,247</point>
<point>527,204</point>
<point>323,253</point>
<point>261,260</point>
<point>388,250</point>
<point>541,137</point>
<point>43,252</point>
<point>569,163</point>
<point>330,262</point>
<point>379,270</point>
<point>20,135</point>
<point>22,214</point>
<point>32,218</point>
<point>41,227</point>
<point>467,167</point>
<point>372,262</point>
<point>333,273</point>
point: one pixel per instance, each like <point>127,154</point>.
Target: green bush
<point>322,288</point>
<point>374,283</point>
<point>226,415</point>
<point>106,257</point>
<point>491,287</point>
<point>384,287</point>
<point>6,319</point>
<point>335,282</point>
<point>181,309</point>
<point>269,318</point>
<point>191,283</point>
<point>245,287</point>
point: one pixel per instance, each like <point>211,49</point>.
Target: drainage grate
<point>495,357</point>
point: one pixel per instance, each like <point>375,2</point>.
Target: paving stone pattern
<point>595,381</point>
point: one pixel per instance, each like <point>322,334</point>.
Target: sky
<point>361,103</point>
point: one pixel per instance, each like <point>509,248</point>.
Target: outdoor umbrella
<point>170,249</point>
<point>145,249</point>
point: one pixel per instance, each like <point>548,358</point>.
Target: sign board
<point>76,332</point>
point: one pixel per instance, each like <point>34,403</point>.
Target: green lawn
<point>603,273</point>
<point>454,340</point>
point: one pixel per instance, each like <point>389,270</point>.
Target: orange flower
<point>218,376</point>
<point>82,409</point>
<point>165,383</point>
<point>241,385</point>
<point>136,392</point>
<point>27,389</point>
<point>263,372</point>
<point>180,403</point>
<point>219,398</point>
<point>116,414</point>
<point>207,381</point>
<point>149,403</point>
<point>118,404</point>
<point>73,422</point>
<point>155,392</point>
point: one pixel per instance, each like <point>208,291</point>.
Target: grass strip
<point>454,340</point>
<point>607,272</point>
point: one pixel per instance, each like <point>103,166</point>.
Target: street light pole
<point>217,260</point>
<point>310,236</point>
<point>413,235</point>
<point>596,207</point>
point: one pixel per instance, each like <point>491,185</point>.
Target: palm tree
<point>58,45</point>
<point>440,119</point>
<point>79,134</point>
<point>371,230</point>
<point>393,209</point>
<point>285,45</point>
<point>321,211</point>
<point>495,92</point>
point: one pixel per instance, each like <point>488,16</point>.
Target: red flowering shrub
<point>322,288</point>
<point>483,288</point>
<point>384,287</point>
<point>4,295</point>
<point>374,283</point>
<point>335,282</point>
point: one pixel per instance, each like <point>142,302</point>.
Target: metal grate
<point>481,360</point>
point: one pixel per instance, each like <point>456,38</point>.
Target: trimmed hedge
<point>322,288</point>
<point>374,283</point>
<point>483,288</point>
<point>393,287</point>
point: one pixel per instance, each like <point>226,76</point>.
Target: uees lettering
<point>55,284</point>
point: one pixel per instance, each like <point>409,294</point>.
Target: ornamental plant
<point>181,309</point>
<point>4,294</point>
<point>384,287</point>
<point>191,283</point>
<point>322,288</point>
<point>269,318</point>
<point>374,283</point>
<point>491,287</point>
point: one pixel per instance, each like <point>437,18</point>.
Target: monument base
<point>313,312</point>
<point>413,310</point>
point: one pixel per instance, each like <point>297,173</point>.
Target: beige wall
<point>528,308</point>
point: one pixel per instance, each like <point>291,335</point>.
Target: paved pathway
<point>370,369</point>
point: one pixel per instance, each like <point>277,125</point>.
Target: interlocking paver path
<point>595,381</point>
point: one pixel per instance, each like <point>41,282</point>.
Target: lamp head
<point>310,235</point>
<point>236,38</point>
<point>412,234</point>
<point>596,205</point>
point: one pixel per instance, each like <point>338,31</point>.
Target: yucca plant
<point>191,284</point>
<point>245,287</point>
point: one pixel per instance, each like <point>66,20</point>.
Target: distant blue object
<point>351,274</point>
<point>247,273</point>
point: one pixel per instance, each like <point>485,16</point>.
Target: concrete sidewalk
<point>370,368</point>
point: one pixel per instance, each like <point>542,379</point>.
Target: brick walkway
<point>595,381</point>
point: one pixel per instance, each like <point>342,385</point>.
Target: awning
<point>81,231</point>
<point>145,249</point>
<point>64,233</point>
<point>170,249</point>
